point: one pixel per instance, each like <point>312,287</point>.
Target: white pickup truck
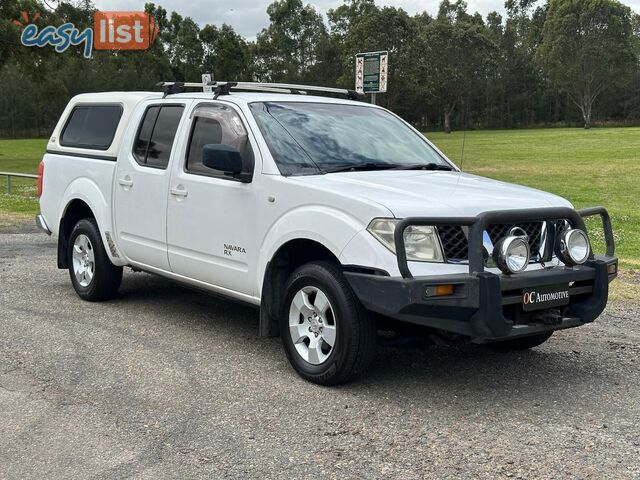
<point>330,214</point>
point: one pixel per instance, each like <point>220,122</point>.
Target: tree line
<point>552,62</point>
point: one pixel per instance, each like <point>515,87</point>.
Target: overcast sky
<point>248,17</point>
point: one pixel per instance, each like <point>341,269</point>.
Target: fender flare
<point>87,191</point>
<point>298,224</point>
<point>308,223</point>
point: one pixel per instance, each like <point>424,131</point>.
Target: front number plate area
<point>538,298</point>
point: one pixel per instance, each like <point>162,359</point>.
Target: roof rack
<point>224,88</point>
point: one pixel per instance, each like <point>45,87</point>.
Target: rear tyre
<point>93,276</point>
<point>327,334</point>
<point>523,343</point>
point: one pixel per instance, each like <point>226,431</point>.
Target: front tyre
<point>327,334</point>
<point>93,276</point>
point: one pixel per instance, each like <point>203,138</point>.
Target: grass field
<point>594,167</point>
<point>20,156</point>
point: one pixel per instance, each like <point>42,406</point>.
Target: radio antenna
<point>464,136</point>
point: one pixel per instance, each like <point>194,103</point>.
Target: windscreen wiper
<point>424,166</point>
<point>359,167</point>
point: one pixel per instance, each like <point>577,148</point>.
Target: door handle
<point>126,181</point>
<point>179,191</point>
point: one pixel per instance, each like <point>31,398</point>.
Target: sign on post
<point>206,78</point>
<point>371,72</point>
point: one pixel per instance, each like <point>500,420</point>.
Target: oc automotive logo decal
<point>534,297</point>
<point>545,297</point>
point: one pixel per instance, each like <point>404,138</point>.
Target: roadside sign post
<point>206,78</point>
<point>371,73</point>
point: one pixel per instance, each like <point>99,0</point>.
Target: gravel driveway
<point>166,382</point>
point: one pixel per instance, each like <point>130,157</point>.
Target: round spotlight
<point>572,247</point>
<point>512,254</point>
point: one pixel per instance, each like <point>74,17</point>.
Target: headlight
<point>421,243</point>
<point>572,247</point>
<point>512,254</point>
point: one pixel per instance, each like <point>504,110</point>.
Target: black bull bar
<point>477,226</point>
<point>477,307</point>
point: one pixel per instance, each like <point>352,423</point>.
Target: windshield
<point>312,138</point>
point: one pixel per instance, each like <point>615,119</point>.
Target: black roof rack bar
<point>221,88</point>
<point>171,88</point>
<point>224,88</point>
<point>185,84</point>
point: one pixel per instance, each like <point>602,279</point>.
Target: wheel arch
<point>84,199</point>
<point>73,212</point>
<point>289,256</point>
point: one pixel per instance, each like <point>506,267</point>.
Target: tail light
<point>40,178</point>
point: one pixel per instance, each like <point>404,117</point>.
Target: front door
<point>142,185</point>
<point>211,217</point>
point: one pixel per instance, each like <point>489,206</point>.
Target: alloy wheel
<point>312,325</point>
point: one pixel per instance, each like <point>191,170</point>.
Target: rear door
<point>142,185</point>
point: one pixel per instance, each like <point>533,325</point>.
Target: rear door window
<point>91,126</point>
<point>144,135</point>
<point>156,134</point>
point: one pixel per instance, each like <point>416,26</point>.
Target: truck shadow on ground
<point>458,372</point>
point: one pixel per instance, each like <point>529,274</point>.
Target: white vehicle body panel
<point>213,213</point>
<point>71,178</point>
<point>324,217</point>
<point>434,193</point>
<point>140,203</point>
<point>184,237</point>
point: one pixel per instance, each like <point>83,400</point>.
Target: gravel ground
<point>165,382</point>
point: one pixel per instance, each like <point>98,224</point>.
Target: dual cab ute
<point>329,214</point>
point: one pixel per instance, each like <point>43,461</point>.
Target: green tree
<point>515,87</point>
<point>457,52</point>
<point>186,57</point>
<point>226,54</point>
<point>287,50</point>
<point>587,46</point>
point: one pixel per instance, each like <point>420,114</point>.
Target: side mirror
<point>226,159</point>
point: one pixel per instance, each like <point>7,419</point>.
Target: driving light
<point>421,243</point>
<point>512,254</point>
<point>572,247</point>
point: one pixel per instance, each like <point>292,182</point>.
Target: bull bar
<point>477,307</point>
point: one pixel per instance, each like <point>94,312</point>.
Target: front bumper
<point>485,306</point>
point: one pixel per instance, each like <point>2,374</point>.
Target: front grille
<point>533,231</point>
<point>454,242</point>
<point>456,247</point>
<point>560,225</point>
